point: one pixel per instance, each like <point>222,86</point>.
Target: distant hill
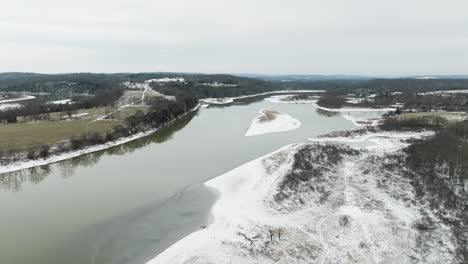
<point>305,77</point>
<point>315,77</point>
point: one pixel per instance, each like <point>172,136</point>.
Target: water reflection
<point>326,113</point>
<point>13,181</point>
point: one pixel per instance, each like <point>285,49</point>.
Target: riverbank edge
<point>26,164</point>
<point>229,100</point>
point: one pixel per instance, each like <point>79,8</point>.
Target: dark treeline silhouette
<point>54,83</point>
<point>413,124</point>
<point>428,102</point>
<point>331,101</point>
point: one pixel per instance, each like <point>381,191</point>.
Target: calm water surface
<point>128,203</point>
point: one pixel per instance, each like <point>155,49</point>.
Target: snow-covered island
<point>268,121</point>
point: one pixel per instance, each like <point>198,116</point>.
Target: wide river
<point>130,202</point>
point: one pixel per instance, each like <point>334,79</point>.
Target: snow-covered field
<point>268,121</point>
<point>355,210</point>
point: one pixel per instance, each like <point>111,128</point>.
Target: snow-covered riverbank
<point>268,121</point>
<point>355,109</point>
<point>228,100</point>
<point>25,164</point>
<point>23,98</point>
<point>343,214</point>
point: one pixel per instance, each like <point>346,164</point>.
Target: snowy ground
<point>356,209</point>
<point>268,121</point>
<point>9,106</point>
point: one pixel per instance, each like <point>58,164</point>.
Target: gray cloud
<point>309,37</point>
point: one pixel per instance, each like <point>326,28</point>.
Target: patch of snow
<point>4,107</point>
<point>218,84</point>
<point>64,101</point>
<point>353,100</point>
<point>166,80</point>
<point>221,100</point>
<point>271,122</point>
<point>445,92</point>
<point>26,97</point>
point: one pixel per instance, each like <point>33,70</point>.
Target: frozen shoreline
<point>351,109</point>
<point>20,165</point>
<point>228,100</point>
<point>245,211</point>
<point>280,122</point>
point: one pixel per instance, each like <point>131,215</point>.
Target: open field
<point>92,114</point>
<point>450,116</point>
<point>21,135</point>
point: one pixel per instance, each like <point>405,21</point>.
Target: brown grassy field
<point>23,135</point>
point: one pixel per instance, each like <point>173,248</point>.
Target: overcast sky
<point>368,37</point>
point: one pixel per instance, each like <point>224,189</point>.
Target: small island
<point>269,121</point>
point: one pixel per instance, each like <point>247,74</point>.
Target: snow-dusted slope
<point>269,121</point>
<point>309,203</point>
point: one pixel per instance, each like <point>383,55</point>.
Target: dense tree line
<point>427,102</point>
<point>54,83</point>
<point>439,171</point>
<point>413,124</point>
<point>201,88</point>
<point>331,101</point>
<point>161,112</point>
